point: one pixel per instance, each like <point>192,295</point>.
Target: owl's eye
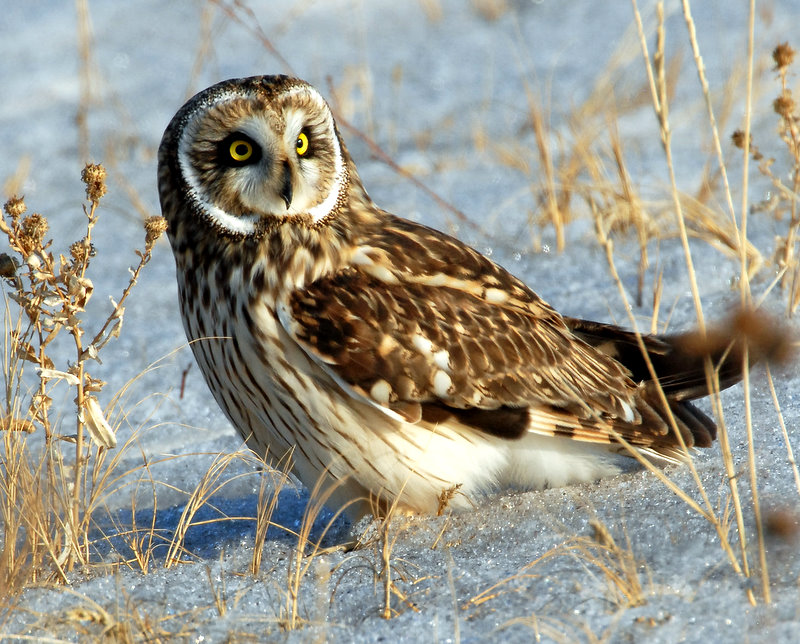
<point>241,150</point>
<point>301,145</point>
<point>238,149</point>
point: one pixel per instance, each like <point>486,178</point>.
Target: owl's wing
<point>431,353</point>
<point>415,343</point>
<point>436,331</point>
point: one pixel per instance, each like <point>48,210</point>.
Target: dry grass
<point>660,102</point>
<point>210,486</point>
<point>121,619</point>
<point>614,569</point>
<point>306,551</point>
<point>583,170</point>
<point>49,495</point>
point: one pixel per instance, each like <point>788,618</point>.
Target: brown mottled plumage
<point>387,356</point>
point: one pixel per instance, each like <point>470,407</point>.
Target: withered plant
<point>54,466</point>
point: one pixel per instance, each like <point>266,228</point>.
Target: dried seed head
<point>154,227</point>
<point>784,105</point>
<point>77,251</point>
<point>15,207</point>
<point>783,55</point>
<point>766,338</point>
<point>738,139</point>
<point>80,251</point>
<point>34,228</point>
<point>94,176</point>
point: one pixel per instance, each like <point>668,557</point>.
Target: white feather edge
<point>326,206</point>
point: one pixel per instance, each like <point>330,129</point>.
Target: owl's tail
<point>689,365</point>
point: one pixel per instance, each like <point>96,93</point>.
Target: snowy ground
<point>428,81</point>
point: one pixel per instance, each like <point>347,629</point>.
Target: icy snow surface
<point>442,88</point>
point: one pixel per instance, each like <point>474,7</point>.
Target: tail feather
<point>679,361</point>
<point>680,365</point>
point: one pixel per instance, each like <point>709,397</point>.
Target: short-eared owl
<point>385,356</point>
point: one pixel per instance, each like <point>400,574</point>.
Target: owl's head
<point>249,152</point>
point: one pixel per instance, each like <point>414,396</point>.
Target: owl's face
<point>254,151</point>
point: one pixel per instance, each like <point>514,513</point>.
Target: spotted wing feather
<point>404,344</point>
<point>427,327</point>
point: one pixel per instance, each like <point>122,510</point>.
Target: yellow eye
<point>240,150</point>
<point>301,145</point>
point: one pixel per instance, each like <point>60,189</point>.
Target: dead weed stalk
<point>47,494</point>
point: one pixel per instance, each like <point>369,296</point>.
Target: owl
<point>391,363</point>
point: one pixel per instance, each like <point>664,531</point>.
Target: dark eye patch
<point>238,149</point>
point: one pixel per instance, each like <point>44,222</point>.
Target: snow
<point>428,91</point>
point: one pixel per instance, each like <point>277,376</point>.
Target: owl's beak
<point>286,188</point>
